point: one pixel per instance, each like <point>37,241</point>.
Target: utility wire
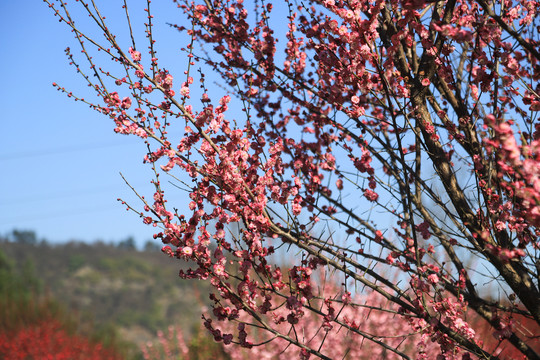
<point>59,150</point>
<point>77,192</point>
<point>66,213</point>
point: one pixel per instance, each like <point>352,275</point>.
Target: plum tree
<point>393,144</point>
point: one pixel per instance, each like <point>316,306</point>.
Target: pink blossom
<point>167,81</point>
<point>433,278</point>
<point>184,91</point>
<point>187,251</point>
<point>371,195</point>
<point>219,270</point>
<point>135,55</point>
<point>423,228</point>
<point>126,103</point>
<point>296,208</point>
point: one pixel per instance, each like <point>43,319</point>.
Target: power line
<point>67,213</point>
<point>59,150</point>
<point>60,195</point>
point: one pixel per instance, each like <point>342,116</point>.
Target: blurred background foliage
<point>111,294</point>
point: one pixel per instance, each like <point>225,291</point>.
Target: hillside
<point>135,293</point>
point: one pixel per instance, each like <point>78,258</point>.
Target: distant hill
<point>136,292</point>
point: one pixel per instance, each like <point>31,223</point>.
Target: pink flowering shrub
<point>173,344</point>
<point>374,321</point>
<point>337,342</point>
<point>376,140</point>
<point>170,345</point>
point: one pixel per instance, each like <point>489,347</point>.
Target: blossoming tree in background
<point>375,318</point>
<point>394,144</point>
<point>378,319</point>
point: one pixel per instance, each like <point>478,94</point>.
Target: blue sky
<point>59,160</point>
